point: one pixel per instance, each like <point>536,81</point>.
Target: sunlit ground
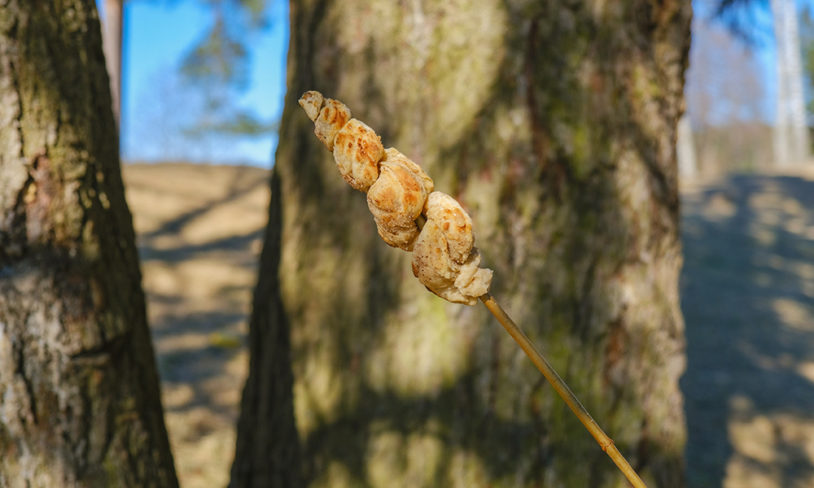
<point>748,299</point>
<point>199,235</point>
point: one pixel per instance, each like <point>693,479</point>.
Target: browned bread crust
<point>332,117</point>
<point>398,192</point>
<point>444,259</point>
<point>397,198</point>
<point>357,151</point>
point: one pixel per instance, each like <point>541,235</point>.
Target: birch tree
<point>112,42</point>
<point>791,141</point>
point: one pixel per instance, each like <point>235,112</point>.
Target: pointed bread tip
<point>311,101</point>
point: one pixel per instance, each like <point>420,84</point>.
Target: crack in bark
<point>13,247</point>
<point>15,83</point>
<point>538,136</point>
<point>105,351</point>
<point>9,239</point>
<point>494,366</point>
<point>27,382</point>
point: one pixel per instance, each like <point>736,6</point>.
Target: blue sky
<point>156,106</point>
<point>157,34</point>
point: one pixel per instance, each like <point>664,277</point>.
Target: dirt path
<point>199,236</point>
<point>748,300</point>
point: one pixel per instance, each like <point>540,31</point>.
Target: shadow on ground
<point>748,301</point>
<point>199,233</point>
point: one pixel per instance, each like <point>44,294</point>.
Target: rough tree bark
<point>79,394</point>
<point>554,123</point>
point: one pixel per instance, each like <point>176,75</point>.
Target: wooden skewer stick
<point>605,442</point>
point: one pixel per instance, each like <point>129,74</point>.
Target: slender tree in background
<point>216,66</point>
<point>685,149</point>
<point>782,118</point>
<point>791,144</point>
<point>112,42</point>
<point>555,124</point>
<point>79,394</point>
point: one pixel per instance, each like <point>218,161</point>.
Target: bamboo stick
<point>605,442</point>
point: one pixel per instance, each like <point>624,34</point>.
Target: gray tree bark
<point>112,43</point>
<point>79,391</point>
<point>685,149</point>
<point>791,141</point>
<point>554,123</point>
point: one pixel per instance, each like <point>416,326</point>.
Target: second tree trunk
<point>554,124</point>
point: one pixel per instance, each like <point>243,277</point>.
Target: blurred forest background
<point>204,81</point>
<point>199,130</point>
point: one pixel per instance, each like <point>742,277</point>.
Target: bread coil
<point>311,102</point>
<point>397,198</point>
<point>357,151</point>
<point>444,257</point>
<point>332,117</point>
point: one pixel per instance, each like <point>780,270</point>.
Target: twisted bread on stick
<point>444,257</point>
<point>398,193</point>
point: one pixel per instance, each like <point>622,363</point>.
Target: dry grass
<point>748,299</point>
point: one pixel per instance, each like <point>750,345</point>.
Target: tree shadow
<point>239,185</point>
<point>198,330</point>
<point>413,417</point>
<point>236,249</point>
<point>748,301</point>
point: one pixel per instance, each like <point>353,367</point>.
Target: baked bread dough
<point>397,198</point>
<point>357,151</point>
<point>398,193</point>
<point>454,221</point>
<point>332,117</point>
<point>444,257</point>
<point>311,102</point>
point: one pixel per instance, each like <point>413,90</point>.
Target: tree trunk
<point>685,149</point>
<point>791,142</point>
<point>781,136</point>
<point>554,123</point>
<point>112,43</point>
<point>79,394</point>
